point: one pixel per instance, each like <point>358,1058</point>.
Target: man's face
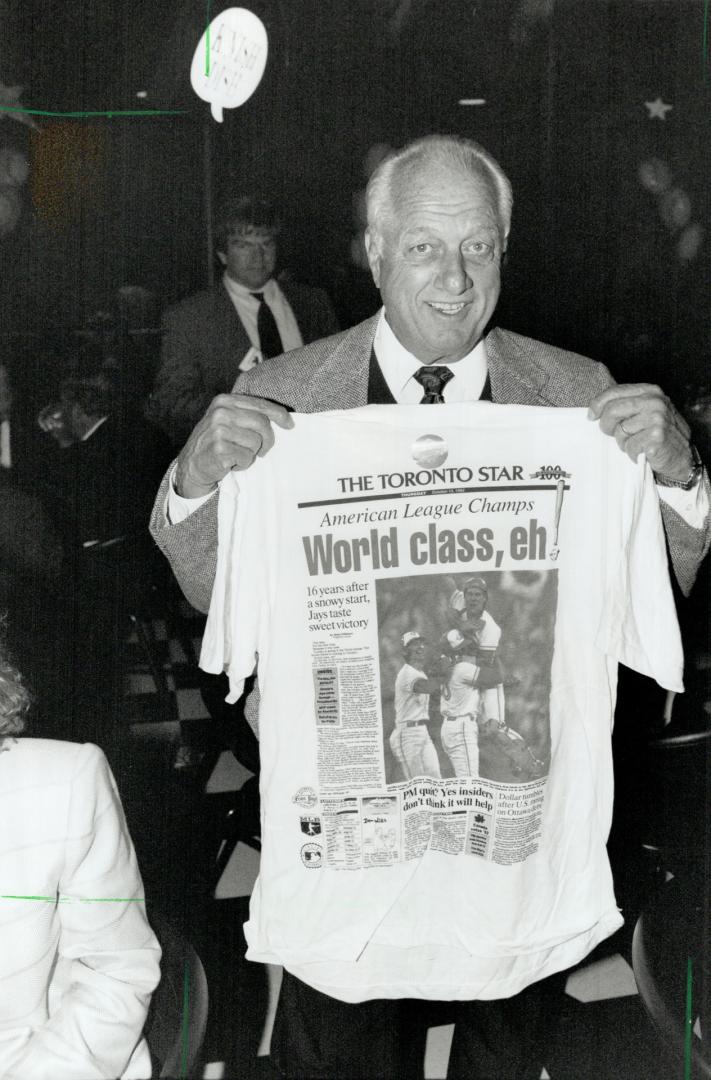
<point>56,419</point>
<point>438,264</point>
<point>416,653</point>
<point>475,601</point>
<point>250,257</point>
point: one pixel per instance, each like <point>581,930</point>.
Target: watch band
<point>694,474</point>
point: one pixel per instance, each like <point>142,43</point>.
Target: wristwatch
<point>694,474</point>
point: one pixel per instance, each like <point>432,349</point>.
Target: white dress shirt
<point>399,366</point>
<point>247,307</point>
<point>5,445</point>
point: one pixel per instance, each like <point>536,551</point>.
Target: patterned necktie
<point>269,337</point>
<point>433,380</point>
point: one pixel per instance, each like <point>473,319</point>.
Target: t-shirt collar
<point>234,288</point>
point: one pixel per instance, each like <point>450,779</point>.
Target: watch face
<point>689,480</point>
<point>694,474</point>
<point>696,467</point>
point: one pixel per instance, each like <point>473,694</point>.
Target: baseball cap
<point>478,582</point>
<point>410,635</point>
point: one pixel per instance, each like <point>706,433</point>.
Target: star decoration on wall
<point>657,109</point>
<point>10,106</point>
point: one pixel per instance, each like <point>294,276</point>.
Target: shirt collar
<point>94,427</point>
<point>241,292</point>
<point>398,366</point>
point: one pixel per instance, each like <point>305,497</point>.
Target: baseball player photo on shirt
<point>465,675</point>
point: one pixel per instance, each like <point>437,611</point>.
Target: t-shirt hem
<point>559,958</point>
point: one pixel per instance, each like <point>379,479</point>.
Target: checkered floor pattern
<point>176,713</point>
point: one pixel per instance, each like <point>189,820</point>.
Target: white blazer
<point>78,959</point>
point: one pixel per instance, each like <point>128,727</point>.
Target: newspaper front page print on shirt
<point>438,599</point>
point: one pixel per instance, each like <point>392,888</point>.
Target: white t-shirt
<point>460,698</point>
<point>341,538</point>
<point>409,705</point>
<point>489,635</point>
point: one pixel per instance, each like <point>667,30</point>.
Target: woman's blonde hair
<point>15,698</point>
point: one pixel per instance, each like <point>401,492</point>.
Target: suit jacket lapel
<point>516,379</point>
<point>342,381</point>
<point>229,335</point>
<point>298,302</point>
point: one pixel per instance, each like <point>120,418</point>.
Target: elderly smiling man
<point>439,213</point>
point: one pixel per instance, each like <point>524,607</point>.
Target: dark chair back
<point>177,1018</point>
<point>677,823</point>
<point>672,966</point>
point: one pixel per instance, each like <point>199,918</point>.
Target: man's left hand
<point>642,419</point>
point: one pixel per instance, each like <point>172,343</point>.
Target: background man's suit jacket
<point>104,486</point>
<point>203,343</point>
<point>333,374</point>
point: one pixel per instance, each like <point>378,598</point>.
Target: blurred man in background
<point>246,318</point>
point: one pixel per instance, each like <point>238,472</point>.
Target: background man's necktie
<point>433,380</point>
<point>269,337</point>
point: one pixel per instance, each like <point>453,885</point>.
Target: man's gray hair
<point>448,151</point>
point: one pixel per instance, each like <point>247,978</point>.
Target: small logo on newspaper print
<point>430,451</point>
<point>311,825</point>
<point>550,472</point>
<point>384,803</point>
<point>306,797</point>
<point>311,856</point>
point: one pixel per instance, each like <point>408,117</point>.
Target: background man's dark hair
<point>244,212</point>
<point>94,396</point>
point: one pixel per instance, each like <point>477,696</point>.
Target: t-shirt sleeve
<point>639,625</point>
<point>236,599</point>
<point>410,676</point>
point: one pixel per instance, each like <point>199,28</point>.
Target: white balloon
<point>690,241</point>
<point>675,208</point>
<point>655,175</point>
<point>14,167</point>
<point>10,207</point>
<point>230,59</point>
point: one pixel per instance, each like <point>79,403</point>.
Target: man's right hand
<point>233,432</point>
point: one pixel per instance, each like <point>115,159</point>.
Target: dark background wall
<point>595,260</point>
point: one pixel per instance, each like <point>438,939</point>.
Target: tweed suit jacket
<point>333,374</point>
<point>203,343</point>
